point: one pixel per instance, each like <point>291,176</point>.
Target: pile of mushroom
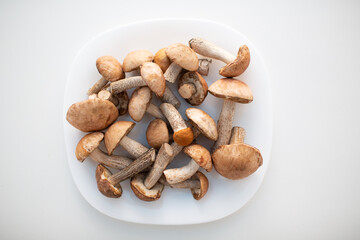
<point>168,133</point>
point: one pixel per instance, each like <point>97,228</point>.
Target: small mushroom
<point>232,91</point>
<point>92,114</point>
<point>236,160</point>
<point>157,133</point>
<point>133,60</point>
<point>200,157</point>
<point>193,88</point>
<point>203,122</point>
<point>138,187</point>
<point>140,102</point>
<point>109,184</point>
<point>235,65</point>
<point>204,65</point>
<point>162,59</point>
<point>183,135</point>
<point>182,57</point>
<point>88,147</point>
<point>116,135</point>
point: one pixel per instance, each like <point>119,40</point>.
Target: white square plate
<point>176,206</point>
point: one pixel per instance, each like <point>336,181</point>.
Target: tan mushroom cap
<point>138,187</point>
<point>231,89</point>
<point>204,185</point>
<point>154,78</point>
<point>92,114</point>
<point>162,59</point>
<point>239,65</point>
<point>200,85</point>
<point>184,136</point>
<point>236,161</point>
<point>104,185</point>
<point>87,145</point>
<point>200,155</point>
<point>183,55</point>
<point>110,68</point>
<point>139,102</point>
<point>115,133</point>
<point>157,133</point>
<point>203,122</point>
<point>134,59</point>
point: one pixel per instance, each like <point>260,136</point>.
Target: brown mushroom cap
<point>157,133</point>
<point>104,185</point>
<point>162,59</point>
<point>203,122</point>
<point>110,68</point>
<point>154,78</point>
<point>184,136</point>
<point>139,102</point>
<point>239,65</point>
<point>200,155</point>
<point>87,145</point>
<point>231,89</point>
<point>138,187</point>
<point>236,161</point>
<point>183,55</point>
<point>204,185</point>
<point>92,114</point>
<point>200,85</point>
<point>134,59</point>
<point>115,133</point>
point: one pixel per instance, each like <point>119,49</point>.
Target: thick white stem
<point>97,86</point>
<point>172,72</point>
<point>173,116</point>
<point>225,123</point>
<point>133,147</point>
<point>117,162</point>
<point>155,112</point>
<point>127,83</point>
<point>176,175</point>
<point>237,135</point>
<point>169,97</point>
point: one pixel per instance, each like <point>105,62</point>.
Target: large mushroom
<point>182,57</point>
<point>92,114</point>
<point>139,189</point>
<point>203,122</point>
<point>236,160</point>
<point>134,59</point>
<point>200,157</point>
<point>235,65</point>
<point>232,91</point>
<point>193,88</point>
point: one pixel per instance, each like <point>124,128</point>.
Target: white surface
<point>311,49</point>
<point>175,206</point>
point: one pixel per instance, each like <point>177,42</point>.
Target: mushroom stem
<point>126,83</point>
<point>161,162</point>
<point>225,123</point>
<point>192,184</point>
<point>172,72</point>
<point>187,90</point>
<point>106,95</point>
<point>176,175</point>
<point>169,97</point>
<point>237,135</point>
<point>92,96</point>
<point>208,49</point>
<point>117,162</point>
<point>97,86</point>
<point>155,112</point>
<point>173,116</point>
<point>133,147</point>
<point>204,65</point>
<point>135,167</point>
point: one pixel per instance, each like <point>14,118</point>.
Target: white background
<point>311,49</point>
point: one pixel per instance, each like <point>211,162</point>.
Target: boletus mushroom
<point>135,59</point>
<point>236,160</point>
<point>193,88</point>
<point>157,133</point>
<point>203,122</point>
<point>140,191</point>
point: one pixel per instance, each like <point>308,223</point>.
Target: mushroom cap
<point>162,59</point>
<point>203,122</point>
<point>200,155</point>
<point>184,136</point>
<point>92,114</point>
<point>133,60</point>
<point>154,78</point>
<point>231,89</point>
<point>239,65</point>
<point>104,185</point>
<point>123,102</point>
<point>183,55</point>
<point>139,102</point>
<point>138,187</point>
<point>87,145</point>
<point>200,85</point>
<point>204,185</point>
<point>157,133</point>
<point>110,68</point>
<point>115,133</point>
<point>236,161</point>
